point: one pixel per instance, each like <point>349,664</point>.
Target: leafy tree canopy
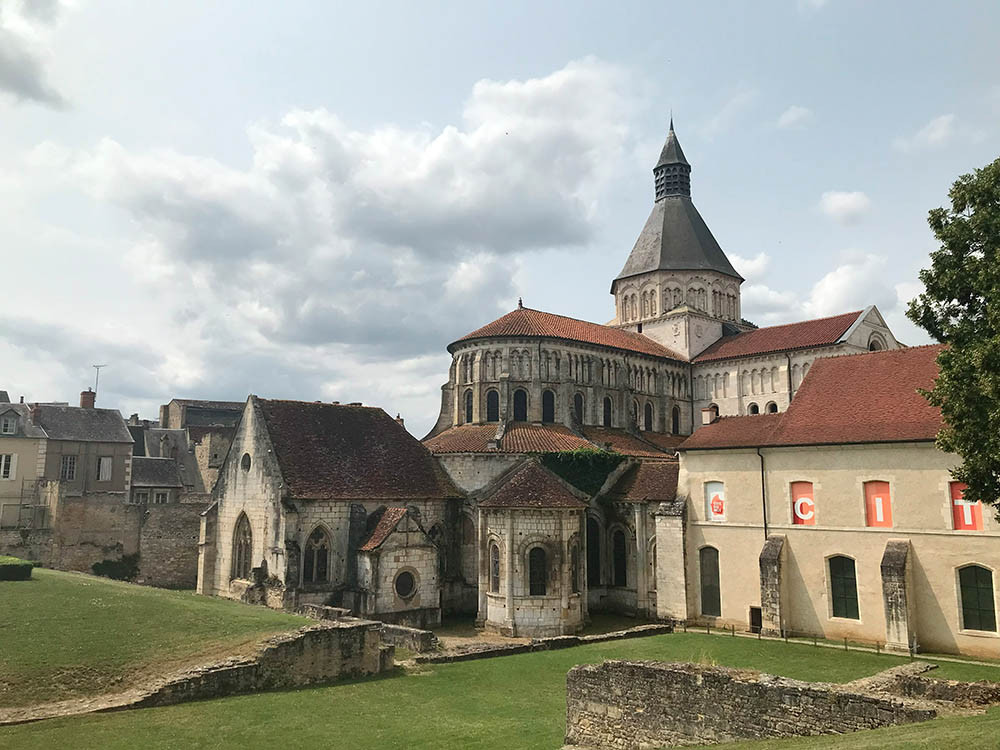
<point>961,307</point>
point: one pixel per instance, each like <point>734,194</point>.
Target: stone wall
<point>626,705</point>
<point>312,655</point>
<point>168,545</point>
<point>964,694</point>
<point>414,639</point>
<point>28,544</point>
<point>92,528</point>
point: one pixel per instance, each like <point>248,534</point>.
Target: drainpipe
<point>763,492</point>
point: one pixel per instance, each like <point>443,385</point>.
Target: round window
<point>245,462</point>
<point>406,584</point>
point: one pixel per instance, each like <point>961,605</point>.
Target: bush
<point>15,569</point>
<point>125,568</point>
<point>584,468</point>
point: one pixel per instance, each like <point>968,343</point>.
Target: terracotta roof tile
<point>525,322</point>
<point>467,438</point>
<point>531,486</point>
<point>654,481</point>
<point>804,335</point>
<point>385,526</point>
<point>667,443</point>
<point>522,437</point>
<point>859,398</point>
<point>620,441</point>
<point>328,451</point>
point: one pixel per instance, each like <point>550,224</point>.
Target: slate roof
<point>328,451</point>
<point>385,526</point>
<point>25,428</point>
<point>525,437</point>
<point>858,398</point>
<point>138,433</point>
<point>671,153</point>
<point>83,425</point>
<point>527,323</point>
<point>787,337</point>
<point>155,472</point>
<point>646,481</point>
<point>531,486</point>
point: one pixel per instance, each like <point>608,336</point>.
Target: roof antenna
<point>97,377</point>
<point>520,303</point>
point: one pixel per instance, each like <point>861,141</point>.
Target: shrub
<point>584,468</point>
<point>15,569</point>
<point>125,568</point>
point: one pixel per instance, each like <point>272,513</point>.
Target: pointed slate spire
<point>672,173</point>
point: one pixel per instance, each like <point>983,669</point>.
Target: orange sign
<point>803,505</point>
<point>715,501</point>
<point>966,515</point>
<point>878,504</point>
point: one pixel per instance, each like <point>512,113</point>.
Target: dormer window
<point>8,424</point>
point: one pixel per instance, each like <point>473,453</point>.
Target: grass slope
<point>511,702</point>
<point>65,635</point>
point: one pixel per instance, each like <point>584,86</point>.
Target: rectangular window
<point>978,611</point>
<point>160,498</point>
<point>803,505</point>
<point>8,462</point>
<point>844,588</point>
<point>715,501</point>
<point>878,505</point>
<point>104,469</point>
<point>140,497</point>
<point>8,425</point>
<point>966,515</point>
<point>67,468</point>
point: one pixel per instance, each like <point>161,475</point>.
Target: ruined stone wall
<point>414,639</point>
<point>28,544</point>
<point>625,705</point>
<point>92,528</point>
<point>168,545</point>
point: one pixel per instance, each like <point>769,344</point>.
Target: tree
<point>961,307</point>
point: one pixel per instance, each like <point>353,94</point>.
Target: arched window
<point>242,547</point>
<point>494,568</point>
<point>647,418</point>
<point>753,409</point>
<point>492,406</point>
<point>619,558</point>
<point>548,406</point>
<point>520,405</point>
<point>844,587</point>
<point>593,552</point>
<point>607,411</point>
<point>537,571</point>
<point>978,609</point>
<point>316,560</point>
<point>468,407</point>
<point>675,420</point>
<point>708,564</point>
<point>578,407</point>
<point>876,343</point>
<point>772,408</point>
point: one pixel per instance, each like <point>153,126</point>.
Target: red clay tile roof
<point>531,486</point>
<point>534,323</point>
<point>522,437</point>
<point>664,442</point>
<point>467,438</point>
<point>859,398</point>
<point>647,480</point>
<point>327,451</point>
<point>525,437</point>
<point>385,526</point>
<point>622,442</point>
<point>804,335</point>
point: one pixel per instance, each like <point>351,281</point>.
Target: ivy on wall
<point>584,468</point>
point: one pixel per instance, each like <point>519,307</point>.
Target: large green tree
<point>961,307</point>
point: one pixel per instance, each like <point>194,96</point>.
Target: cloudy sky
<point>310,200</point>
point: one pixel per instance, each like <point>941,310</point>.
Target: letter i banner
<point>878,504</point>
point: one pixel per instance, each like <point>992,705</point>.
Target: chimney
<point>87,399</point>
<point>36,413</point>
<point>399,420</point>
<point>709,414</point>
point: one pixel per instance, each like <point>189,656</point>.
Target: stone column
<point>582,572</point>
<point>771,599</point>
<point>671,560</point>
<point>484,570</point>
<point>895,595</point>
<point>641,568</point>
<point>565,564</point>
<point>509,557</point>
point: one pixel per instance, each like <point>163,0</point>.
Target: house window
<point>578,407</point>
<point>844,588</point>
<point>593,552</point>
<point>520,405</point>
<point>67,468</point>
<point>494,568</point>
<point>140,497</point>
<point>607,411</point>
<point>647,418</point>
<point>619,557</point>
<point>492,406</point>
<point>8,462</point>
<point>967,515</point>
<point>675,420</point>
<point>159,498</point>
<point>772,408</point>
<point>878,504</point>
<point>468,407</point>
<point>548,406</point>
<point>242,548</point>
<point>316,560</point>
<point>803,504</point>
<point>8,425</point>
<point>711,598</point>
<point>537,571</point>
<point>104,469</point>
<point>978,610</point>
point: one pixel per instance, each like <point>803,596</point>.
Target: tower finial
<point>671,120</point>
<point>520,303</point>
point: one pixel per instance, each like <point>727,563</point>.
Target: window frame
<point>140,497</point>
<point>8,466</point>
<point>6,420</point>
<point>102,463</point>
<point>67,467</point>
<point>494,582</point>
<point>963,608</point>
<point>161,494</point>
<point>538,577</point>
<point>242,551</point>
<point>842,597</point>
<point>520,395</point>
<point>717,585</point>
<point>492,405</point>
<point>548,406</point>
<point>619,558</point>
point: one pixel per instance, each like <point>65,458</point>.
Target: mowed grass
<point>510,702</point>
<point>67,635</point>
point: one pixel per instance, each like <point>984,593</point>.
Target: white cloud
<point>937,132</point>
<point>844,207</point>
<point>25,50</point>
<point>794,116</point>
<point>753,268</point>
<point>727,116</point>
<point>342,261</point>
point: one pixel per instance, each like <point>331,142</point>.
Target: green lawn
<point>510,702</point>
<point>64,635</point>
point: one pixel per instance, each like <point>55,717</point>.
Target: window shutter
<point>13,466</point>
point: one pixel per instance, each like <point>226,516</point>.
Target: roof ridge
<point>801,322</point>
